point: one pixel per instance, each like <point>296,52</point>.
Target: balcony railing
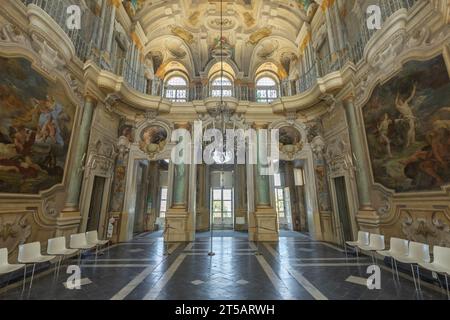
<point>83,41</point>
<point>82,38</point>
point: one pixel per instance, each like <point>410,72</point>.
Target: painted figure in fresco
<point>435,157</point>
<point>383,129</point>
<point>439,139</point>
<point>408,115</point>
<point>23,140</point>
<point>49,131</point>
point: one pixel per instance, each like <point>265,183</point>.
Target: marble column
<point>202,222</point>
<point>266,220</point>
<point>78,154</point>
<point>331,40</point>
<point>290,183</point>
<point>366,215</point>
<point>180,225</point>
<point>110,32</point>
<point>240,197</point>
<point>99,36</point>
<point>153,187</point>
<point>70,217</point>
<point>338,26</point>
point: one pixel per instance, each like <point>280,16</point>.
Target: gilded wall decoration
<point>183,34</point>
<point>194,18</point>
<point>36,121</point>
<point>248,19</point>
<point>222,46</point>
<point>257,36</point>
<point>153,140</point>
<point>408,128</point>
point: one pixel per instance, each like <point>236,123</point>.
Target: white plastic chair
<point>5,266</point>
<point>363,240</point>
<point>398,247</point>
<point>92,238</point>
<point>418,253</point>
<point>440,264</point>
<point>57,247</point>
<point>79,241</point>
<point>30,253</point>
<point>376,243</point>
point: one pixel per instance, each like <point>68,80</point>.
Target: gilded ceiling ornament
<point>257,36</point>
<point>194,18</point>
<point>183,34</point>
<point>248,19</point>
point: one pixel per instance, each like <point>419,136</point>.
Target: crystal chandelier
<point>222,112</point>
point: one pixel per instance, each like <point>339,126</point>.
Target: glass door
<point>222,208</point>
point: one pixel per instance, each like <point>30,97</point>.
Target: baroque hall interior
<point>348,99</point>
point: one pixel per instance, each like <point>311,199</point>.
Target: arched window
<point>176,89</point>
<point>266,90</point>
<point>221,86</point>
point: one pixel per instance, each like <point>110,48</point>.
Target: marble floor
<point>296,268</point>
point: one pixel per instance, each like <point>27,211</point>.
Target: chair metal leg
<point>414,276</point>
<point>32,276</point>
<point>345,250</point>
<point>392,268</point>
<point>24,278</point>
<point>446,282</point>
<point>396,270</point>
<point>418,279</point>
<point>59,266</point>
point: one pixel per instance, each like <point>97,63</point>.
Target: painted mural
<point>120,172</point>
<point>153,140</point>
<point>35,127</point>
<point>408,128</point>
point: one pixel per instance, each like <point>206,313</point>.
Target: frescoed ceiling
<point>254,31</point>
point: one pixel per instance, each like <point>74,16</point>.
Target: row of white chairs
<point>415,254</point>
<point>30,253</point>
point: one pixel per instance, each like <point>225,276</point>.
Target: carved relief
<point>425,226</point>
<point>15,229</point>
<point>290,141</point>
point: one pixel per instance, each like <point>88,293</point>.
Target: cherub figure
<point>408,115</point>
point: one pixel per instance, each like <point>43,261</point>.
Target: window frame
<point>221,90</point>
<point>267,90</point>
<point>180,92</point>
<point>162,214</point>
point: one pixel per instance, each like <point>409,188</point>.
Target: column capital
<point>115,3</point>
<point>349,98</point>
<point>90,98</point>
<point>183,125</point>
<point>260,125</point>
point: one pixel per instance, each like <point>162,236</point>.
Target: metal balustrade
<point>133,73</point>
<point>81,38</point>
